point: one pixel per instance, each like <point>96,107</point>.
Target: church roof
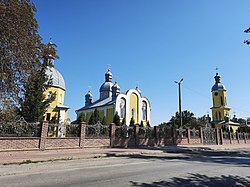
<point>98,103</point>
<point>56,77</point>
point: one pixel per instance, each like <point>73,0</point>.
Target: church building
<point>57,111</point>
<point>130,104</point>
<point>220,109</point>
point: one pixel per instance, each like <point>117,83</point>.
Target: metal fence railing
<point>97,130</point>
<point>20,128</point>
<point>124,131</point>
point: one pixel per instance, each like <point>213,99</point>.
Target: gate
<point>209,136</point>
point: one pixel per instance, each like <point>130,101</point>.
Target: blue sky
<point>154,42</point>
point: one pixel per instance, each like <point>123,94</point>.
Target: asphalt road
<point>195,168</point>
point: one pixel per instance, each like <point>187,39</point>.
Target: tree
<point>117,119</point>
<point>104,121</point>
<point>81,118</point>
<point>132,122</point>
<point>188,120</point>
<point>141,124</point>
<point>123,121</point>
<point>91,120</point>
<point>21,54</point>
<point>148,124</point>
<point>20,50</point>
<point>35,102</point>
<point>96,116</point>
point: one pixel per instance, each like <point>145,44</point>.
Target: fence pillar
<point>112,135</point>
<point>244,136</point>
<point>237,137</point>
<point>44,134</point>
<point>157,135</point>
<point>230,137</point>
<point>82,134</point>
<point>221,137</point>
<point>188,135</point>
<point>136,135</point>
<point>174,136</point>
<point>217,136</point>
<point>201,135</point>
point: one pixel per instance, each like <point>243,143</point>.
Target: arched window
<point>144,111</point>
<point>221,101</point>
<point>216,116</point>
<point>133,113</point>
<point>122,108</point>
<point>219,116</point>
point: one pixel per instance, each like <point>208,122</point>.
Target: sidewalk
<point>18,157</point>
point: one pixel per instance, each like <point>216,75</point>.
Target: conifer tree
<point>116,119</point>
<point>96,116</point>
<point>91,120</point>
<point>132,122</point>
<point>35,102</point>
<point>81,118</point>
<point>123,121</point>
<point>104,121</point>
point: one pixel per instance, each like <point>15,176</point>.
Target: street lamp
<point>179,86</point>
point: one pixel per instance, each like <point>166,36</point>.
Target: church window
<point>144,111</point>
<point>122,108</point>
<point>216,115</point>
<point>133,113</point>
<point>221,100</point>
<point>219,116</point>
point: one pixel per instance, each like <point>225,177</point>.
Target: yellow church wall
<point>109,115</point>
<point>134,106</point>
<point>58,100</point>
<point>234,127</point>
<point>217,99</point>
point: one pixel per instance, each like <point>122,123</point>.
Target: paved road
<point>191,168</point>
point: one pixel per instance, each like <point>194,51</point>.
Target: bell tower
<point>220,109</point>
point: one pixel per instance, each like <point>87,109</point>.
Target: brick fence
<point>155,137</point>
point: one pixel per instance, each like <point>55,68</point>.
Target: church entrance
<point>209,136</point>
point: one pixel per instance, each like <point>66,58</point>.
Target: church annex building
<point>130,104</point>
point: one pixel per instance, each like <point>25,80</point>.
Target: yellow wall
<point>58,100</point>
<point>134,105</point>
<point>110,115</point>
<point>233,127</point>
<point>220,105</point>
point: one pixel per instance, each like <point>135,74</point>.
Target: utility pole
<point>179,88</point>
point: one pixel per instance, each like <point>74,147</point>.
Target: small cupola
<point>88,99</point>
<point>116,90</point>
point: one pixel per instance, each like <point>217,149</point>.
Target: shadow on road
<point>199,180</point>
<point>239,158</point>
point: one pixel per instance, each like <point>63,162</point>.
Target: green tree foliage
<point>117,119</point>
<point>148,124</point>
<point>20,50</point>
<point>96,116</point>
<point>123,121</point>
<point>21,53</point>
<point>104,121</point>
<point>35,103</point>
<point>91,120</point>
<point>141,124</point>
<point>81,118</point>
<point>188,120</point>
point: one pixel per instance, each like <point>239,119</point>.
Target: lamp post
<point>179,86</point>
